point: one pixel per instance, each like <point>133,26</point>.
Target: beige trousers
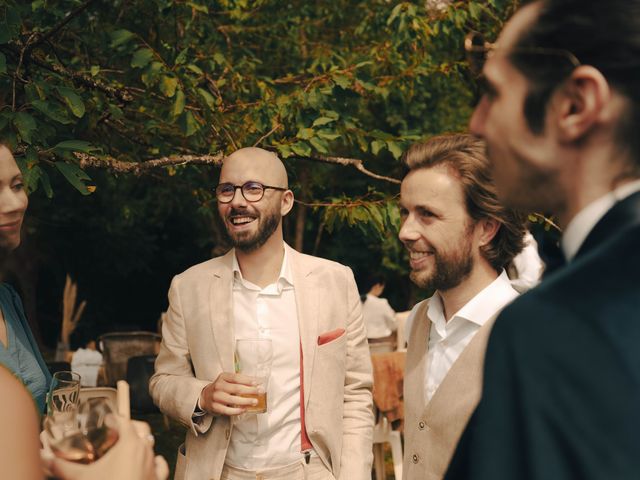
<point>300,470</point>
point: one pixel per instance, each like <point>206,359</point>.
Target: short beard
<point>248,244</point>
<point>450,270</point>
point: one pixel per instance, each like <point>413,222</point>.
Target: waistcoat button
<point>415,458</point>
<point>421,425</point>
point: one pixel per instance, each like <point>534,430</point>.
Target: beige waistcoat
<point>433,429</point>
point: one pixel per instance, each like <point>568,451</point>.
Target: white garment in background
<point>379,320</point>
<point>86,363</point>
<point>528,266</point>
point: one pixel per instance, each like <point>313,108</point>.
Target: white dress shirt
<point>378,315</point>
<point>447,340</point>
<point>581,225</point>
<point>269,439</point>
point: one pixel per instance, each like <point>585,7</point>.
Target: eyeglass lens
<point>251,191</point>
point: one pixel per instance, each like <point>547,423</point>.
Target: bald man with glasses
<point>319,420</point>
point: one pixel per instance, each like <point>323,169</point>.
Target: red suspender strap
<point>305,442</point>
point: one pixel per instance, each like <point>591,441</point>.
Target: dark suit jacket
<point>561,396</point>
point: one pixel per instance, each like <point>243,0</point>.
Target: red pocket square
<point>330,336</point>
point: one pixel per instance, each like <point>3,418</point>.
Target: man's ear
<point>286,203</point>
<point>486,229</point>
<point>582,102</point>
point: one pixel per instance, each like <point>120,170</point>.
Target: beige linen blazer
<point>198,343</point>
<point>432,429</point>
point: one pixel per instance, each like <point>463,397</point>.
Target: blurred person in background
<point>378,315</point>
<point>560,118</point>
<point>18,349</point>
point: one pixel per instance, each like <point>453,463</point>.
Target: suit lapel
<point>622,215</point>
<point>465,373</point>
<point>220,307</point>
<point>307,303</point>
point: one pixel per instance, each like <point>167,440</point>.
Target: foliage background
<point>119,112</point>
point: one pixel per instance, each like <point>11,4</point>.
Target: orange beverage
<point>261,406</point>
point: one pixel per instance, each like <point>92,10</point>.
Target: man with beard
<point>560,117</point>
<point>319,417</point>
<point>459,239</point>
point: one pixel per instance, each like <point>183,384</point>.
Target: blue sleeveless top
<point>21,354</point>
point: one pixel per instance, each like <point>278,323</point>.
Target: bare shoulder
<point>19,442</point>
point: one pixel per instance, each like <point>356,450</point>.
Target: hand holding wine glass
<point>131,458</point>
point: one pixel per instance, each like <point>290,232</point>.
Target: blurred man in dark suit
<point>560,117</point>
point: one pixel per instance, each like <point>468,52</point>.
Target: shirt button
<point>421,425</point>
<point>415,458</point>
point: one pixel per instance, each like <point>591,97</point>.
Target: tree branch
<point>119,94</point>
<point>138,168</point>
<point>56,28</point>
<point>354,162</point>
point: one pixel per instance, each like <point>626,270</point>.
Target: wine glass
<point>92,433</point>
<point>64,394</point>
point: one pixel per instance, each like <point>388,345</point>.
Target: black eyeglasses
<point>477,49</point>
<point>251,191</point>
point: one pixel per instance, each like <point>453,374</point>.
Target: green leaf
<point>76,146</point>
<point>182,56</point>
<point>10,23</point>
<point>53,111</point>
<point>3,63</point>
<point>75,176</point>
<point>219,58</point>
<point>198,8</point>
<point>305,133</point>
<point>73,101</point>
<point>342,81</point>
<point>25,124</point>
<point>322,121</point>
<point>120,37</point>
<point>195,69</point>
<point>95,70</point>
<point>46,183</point>
<point>178,104</point>
<point>376,146</point>
<point>168,86</point>
<point>301,148</point>
<point>141,58</point>
<point>319,144</point>
<point>396,149</point>
<point>474,10</point>
<point>208,98</point>
<point>189,124</point>
<point>328,134</point>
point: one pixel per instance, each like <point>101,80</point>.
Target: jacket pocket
<point>327,337</point>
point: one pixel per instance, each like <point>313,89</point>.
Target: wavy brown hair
<point>464,156</point>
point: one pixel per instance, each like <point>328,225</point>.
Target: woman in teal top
<point>18,349</point>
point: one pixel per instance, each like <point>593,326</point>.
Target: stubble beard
<point>248,242</point>
<point>450,270</point>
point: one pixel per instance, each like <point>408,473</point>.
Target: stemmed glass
<point>88,437</point>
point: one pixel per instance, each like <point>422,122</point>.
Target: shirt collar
<point>579,227</point>
<point>285,278</point>
<point>480,308</point>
